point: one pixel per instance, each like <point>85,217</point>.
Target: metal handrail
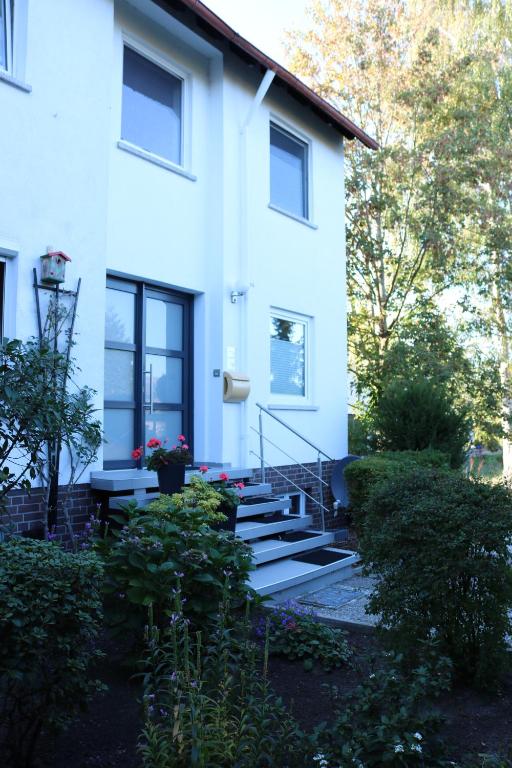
<point>324,509</point>
<point>291,429</point>
<point>296,461</point>
<point>263,464</point>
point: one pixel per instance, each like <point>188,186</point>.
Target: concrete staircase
<point>291,556</point>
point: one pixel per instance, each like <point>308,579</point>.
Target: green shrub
<point>147,559</point>
<point>388,720</point>
<point>364,476</point>
<point>418,415</point>
<point>50,616</point>
<point>294,632</point>
<point>211,704</point>
<point>437,543</point>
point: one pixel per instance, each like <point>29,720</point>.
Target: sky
<point>263,22</point>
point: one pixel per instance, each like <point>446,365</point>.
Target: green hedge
<point>437,543</point>
<point>365,475</point>
<point>50,617</point>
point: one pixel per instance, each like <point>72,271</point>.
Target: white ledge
<point>291,407</point>
<point>300,219</point>
<point>5,77</point>
<point>155,159</point>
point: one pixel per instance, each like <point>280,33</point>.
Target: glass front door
<point>148,376</point>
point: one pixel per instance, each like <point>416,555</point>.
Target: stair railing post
<point>320,488</point>
<point>262,460</point>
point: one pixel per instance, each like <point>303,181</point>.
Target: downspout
<point>243,269</point>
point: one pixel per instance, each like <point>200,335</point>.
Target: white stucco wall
<point>65,182</point>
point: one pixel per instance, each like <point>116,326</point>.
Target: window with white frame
<point>289,354</point>
<point>288,172</point>
<point>152,111</point>
<point>6,18</point>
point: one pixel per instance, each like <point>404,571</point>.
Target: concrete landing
<point>343,601</point>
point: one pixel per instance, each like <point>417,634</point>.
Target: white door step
<point>286,578</point>
<point>266,550</point>
<point>256,489</point>
<point>261,506</point>
<point>132,479</point>
<point>252,529</point>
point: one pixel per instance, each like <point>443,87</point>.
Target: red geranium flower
<point>203,468</point>
<point>223,476</point>
<point>137,453</point>
<point>154,442</point>
<point>182,439</point>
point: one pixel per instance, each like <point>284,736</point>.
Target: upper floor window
<point>288,172</point>
<point>6,16</point>
<point>152,112</point>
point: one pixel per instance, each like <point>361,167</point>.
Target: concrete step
<point>256,489</point>
<point>287,578</point>
<point>133,479</point>
<point>270,525</point>
<point>293,543</point>
<point>261,505</point>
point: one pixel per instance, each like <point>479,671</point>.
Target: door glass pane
<point>152,99</point>
<point>164,325</point>
<point>120,316</point>
<point>165,425</point>
<point>167,378</point>
<point>119,374</point>
<point>118,426</point>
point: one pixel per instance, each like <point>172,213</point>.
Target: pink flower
<point>137,453</point>
<point>181,438</point>
<point>185,447</point>
<point>154,442</point>
<point>240,485</point>
<point>203,468</point>
<point>173,448</point>
<point>223,476</point>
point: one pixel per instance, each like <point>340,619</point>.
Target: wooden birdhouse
<point>53,268</point>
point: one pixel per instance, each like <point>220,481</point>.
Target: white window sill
<point>291,407</point>
<point>155,159</point>
<point>5,77</point>
<point>300,219</point>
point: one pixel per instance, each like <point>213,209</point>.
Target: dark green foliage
<point>294,632</point>
<point>415,415</point>
<point>437,543</point>
<point>50,616</point>
<point>211,705</point>
<point>144,560</point>
<point>388,720</point>
<point>365,475</point>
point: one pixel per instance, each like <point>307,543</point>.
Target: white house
<point>198,188</point>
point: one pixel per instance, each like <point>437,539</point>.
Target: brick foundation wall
<point>25,511</point>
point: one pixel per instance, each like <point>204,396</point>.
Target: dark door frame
<point>140,286</point>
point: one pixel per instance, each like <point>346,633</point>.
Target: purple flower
<point>179,575</point>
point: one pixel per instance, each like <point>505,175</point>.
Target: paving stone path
<point>344,600</point>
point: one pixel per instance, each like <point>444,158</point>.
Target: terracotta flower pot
<point>171,478</point>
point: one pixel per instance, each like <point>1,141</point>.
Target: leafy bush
<point>438,545</point>
<point>198,495</point>
<point>365,475</point>
<point>211,705</point>
<point>420,414</point>
<point>50,616</point>
<point>294,632</point>
<point>147,559</point>
<point>388,719</point>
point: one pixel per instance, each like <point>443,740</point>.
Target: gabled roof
<point>210,23</point>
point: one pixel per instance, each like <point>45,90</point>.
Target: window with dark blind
<point>152,112</point>
<point>288,172</point>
